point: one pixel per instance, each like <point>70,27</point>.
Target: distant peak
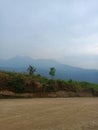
<point>21,57</point>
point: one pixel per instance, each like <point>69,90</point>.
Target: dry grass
<point>49,114</point>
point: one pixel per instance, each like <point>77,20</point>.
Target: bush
<point>16,84</point>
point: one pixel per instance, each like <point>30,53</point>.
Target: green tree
<point>52,72</point>
<point>31,70</point>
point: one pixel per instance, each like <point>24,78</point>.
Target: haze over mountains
<point>21,63</point>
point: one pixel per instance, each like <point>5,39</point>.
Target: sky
<point>64,30</point>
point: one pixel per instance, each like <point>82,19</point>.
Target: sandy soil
<point>49,114</point>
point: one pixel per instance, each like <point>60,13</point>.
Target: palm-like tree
<point>31,70</point>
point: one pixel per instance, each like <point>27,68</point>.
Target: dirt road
<point>49,114</point>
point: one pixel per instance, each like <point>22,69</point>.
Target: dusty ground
<point>49,114</point>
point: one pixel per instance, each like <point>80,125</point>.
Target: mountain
<point>21,63</point>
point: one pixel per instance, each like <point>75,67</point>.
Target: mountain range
<point>63,71</point>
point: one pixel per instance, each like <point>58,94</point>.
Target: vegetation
<point>42,86</point>
<point>31,70</point>
<point>52,72</point>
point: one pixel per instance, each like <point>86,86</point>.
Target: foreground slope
<point>14,84</point>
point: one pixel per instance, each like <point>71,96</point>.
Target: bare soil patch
<point>49,114</point>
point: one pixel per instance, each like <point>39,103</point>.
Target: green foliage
<point>22,82</point>
<point>70,81</point>
<point>52,86</point>
<point>43,80</point>
<point>4,78</point>
<point>89,85</point>
<point>52,72</point>
<point>16,83</point>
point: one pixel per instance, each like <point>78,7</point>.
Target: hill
<point>20,64</point>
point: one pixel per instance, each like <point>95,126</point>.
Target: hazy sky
<point>65,30</point>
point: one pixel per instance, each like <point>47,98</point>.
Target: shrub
<point>16,84</point>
